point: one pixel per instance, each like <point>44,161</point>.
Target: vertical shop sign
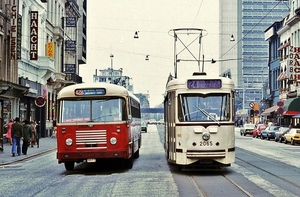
<point>13,29</point>
<point>19,37</point>
<point>294,65</point>
<point>33,53</point>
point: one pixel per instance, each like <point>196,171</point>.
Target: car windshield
<point>274,128</point>
<point>249,126</point>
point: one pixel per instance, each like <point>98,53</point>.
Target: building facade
<point>41,55</point>
<point>248,65</point>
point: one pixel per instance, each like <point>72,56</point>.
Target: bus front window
<point>108,110</point>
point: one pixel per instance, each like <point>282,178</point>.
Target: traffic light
<point>252,113</point>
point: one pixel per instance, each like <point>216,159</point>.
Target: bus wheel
<point>129,163</point>
<point>69,165</point>
<point>136,154</point>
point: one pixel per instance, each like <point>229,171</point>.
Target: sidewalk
<point>46,144</point>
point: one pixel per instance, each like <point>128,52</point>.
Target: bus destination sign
<point>88,92</point>
<point>204,84</point>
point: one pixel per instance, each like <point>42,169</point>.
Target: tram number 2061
<point>206,143</point>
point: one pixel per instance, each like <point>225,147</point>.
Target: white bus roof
<point>111,90</point>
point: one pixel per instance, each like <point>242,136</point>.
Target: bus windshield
<point>92,110</point>
<point>212,107</point>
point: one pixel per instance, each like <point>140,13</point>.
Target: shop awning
<point>268,111</point>
<point>291,106</point>
<point>282,76</point>
<point>296,116</point>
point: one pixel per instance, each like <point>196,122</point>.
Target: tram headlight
<point>206,136</point>
<point>69,141</point>
<point>113,141</point>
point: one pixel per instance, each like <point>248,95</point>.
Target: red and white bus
<point>97,121</point>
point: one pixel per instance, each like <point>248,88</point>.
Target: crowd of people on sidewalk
<point>25,132</point>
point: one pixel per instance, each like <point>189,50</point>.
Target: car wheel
<point>292,142</point>
<point>276,139</point>
<point>285,141</point>
<point>268,138</point>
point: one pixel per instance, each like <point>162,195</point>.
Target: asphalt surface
<point>45,145</point>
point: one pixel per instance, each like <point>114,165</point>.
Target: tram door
<point>171,129</point>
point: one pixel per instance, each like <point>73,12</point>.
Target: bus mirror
<point>129,117</point>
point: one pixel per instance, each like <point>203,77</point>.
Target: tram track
<point>267,160</point>
<point>212,183</point>
<point>269,174</point>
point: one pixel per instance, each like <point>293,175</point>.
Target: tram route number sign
<point>40,101</point>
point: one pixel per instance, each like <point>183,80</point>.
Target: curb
<point>27,157</point>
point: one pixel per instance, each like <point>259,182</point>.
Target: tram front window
<point>203,107</point>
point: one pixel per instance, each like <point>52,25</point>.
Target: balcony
<point>297,11</point>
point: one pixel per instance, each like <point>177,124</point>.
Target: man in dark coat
<point>16,132</point>
<point>27,135</point>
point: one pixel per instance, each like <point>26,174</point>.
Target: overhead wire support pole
<point>200,38</point>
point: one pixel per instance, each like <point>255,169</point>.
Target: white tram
<point>199,121</point>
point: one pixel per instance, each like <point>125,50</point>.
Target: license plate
<point>91,160</point>
<point>206,143</point>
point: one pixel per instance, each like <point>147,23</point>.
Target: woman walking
<point>8,134</point>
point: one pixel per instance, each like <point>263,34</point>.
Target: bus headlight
<point>113,141</point>
<point>69,142</point>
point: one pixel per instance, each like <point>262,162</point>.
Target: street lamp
<point>232,38</point>
<point>136,35</point>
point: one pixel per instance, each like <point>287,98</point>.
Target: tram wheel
<point>69,165</point>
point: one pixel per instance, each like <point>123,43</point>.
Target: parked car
<point>256,132</point>
<point>269,132</point>
<point>143,125</point>
<point>152,121</point>
<point>280,133</point>
<point>293,136</point>
<point>247,129</point>
<point>161,121</point>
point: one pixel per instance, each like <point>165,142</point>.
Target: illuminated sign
<point>88,92</point>
<point>50,49</point>
<point>204,83</point>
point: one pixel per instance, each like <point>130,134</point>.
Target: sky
<point>111,25</point>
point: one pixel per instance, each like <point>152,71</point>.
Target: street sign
<point>251,104</point>
<point>280,103</point>
<point>280,110</point>
<point>40,101</point>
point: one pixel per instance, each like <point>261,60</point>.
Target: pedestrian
<point>17,130</point>
<point>33,131</point>
<point>8,134</point>
<point>26,136</point>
